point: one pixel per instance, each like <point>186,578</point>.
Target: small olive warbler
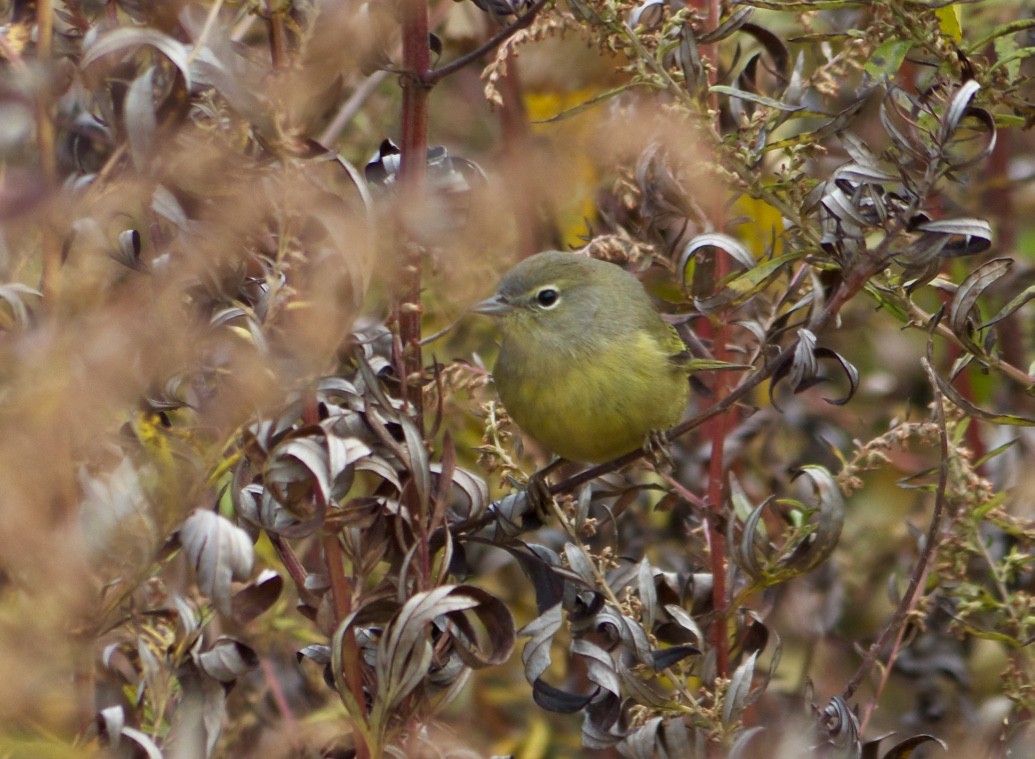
<point>587,366</point>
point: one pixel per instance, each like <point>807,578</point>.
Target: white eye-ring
<point>547,297</point>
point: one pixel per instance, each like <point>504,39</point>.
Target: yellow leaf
<point>765,224</point>
<point>950,21</point>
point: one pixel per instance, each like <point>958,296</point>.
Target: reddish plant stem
<point>341,597</point>
<point>45,135</point>
<point>416,64</point>
<point>278,44</point>
<point>292,565</point>
<point>717,429</point>
<point>341,593</point>
<point>413,170</point>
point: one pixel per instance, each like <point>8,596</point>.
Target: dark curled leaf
<point>511,513</point>
<point>601,723</point>
<point>113,726</point>
<point>536,654</point>
<point>643,692</point>
<point>129,38</point>
<point>473,488</point>
<point>618,629</point>
<point>961,159</point>
<point>256,597</point>
<point>111,721</point>
<point>558,701</point>
<point>682,621</point>
<point>865,173</point>
<point>747,553</point>
<point>963,308</point>
<point>220,552</point>
<point>540,565</point>
<point>802,369</point>
<point>829,518</point>
<point>740,685</point>
<point>140,118</point>
<point>315,653</point>
<point>727,26</point>
<point>733,92</point>
<point>580,564</point>
<point>297,467</point>
<point>321,656</point>
<point>814,542</point>
<point>892,115</point>
<point>642,743</point>
<point>227,659</point>
<point>602,670</point>
<point>648,14</point>
<point>417,461</point>
<point>16,295</point>
<point>676,738</point>
<point>741,748</point>
<point>755,638</point>
<point>733,248</point>
<point>584,608</point>
<point>839,725</point>
<point>957,399</point>
<point>962,237</point>
<point>906,748</point>
<point>536,659</point>
<point>804,365</point>
<point>667,657</point>
<point>851,373</point>
<point>128,250</point>
<point>487,626</point>
<point>775,47</point>
<point>694,73</point>
<point>470,623</point>
<point>959,107</point>
<point>647,592</point>
<point>1015,303</point>
<point>197,721</point>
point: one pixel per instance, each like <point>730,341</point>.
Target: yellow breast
<point>592,408</point>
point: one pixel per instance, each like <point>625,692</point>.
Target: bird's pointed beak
<point>494,306</point>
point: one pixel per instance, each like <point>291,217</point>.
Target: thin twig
<point>295,570</point>
<point>278,41</point>
<point>351,107</point>
<point>430,78</point>
<point>206,30</point>
<point>910,597</point>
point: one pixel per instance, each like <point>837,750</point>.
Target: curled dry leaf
<point>220,553</point>
<point>227,659</point>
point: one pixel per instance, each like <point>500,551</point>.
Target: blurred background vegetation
<point>246,512</point>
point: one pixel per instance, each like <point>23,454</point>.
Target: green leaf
<point>722,89</point>
<point>886,60</point>
<point>744,285</point>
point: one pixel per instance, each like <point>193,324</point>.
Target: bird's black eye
<point>547,297</point>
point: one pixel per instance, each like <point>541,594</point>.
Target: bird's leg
<point>539,495</point>
<point>656,448</point>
